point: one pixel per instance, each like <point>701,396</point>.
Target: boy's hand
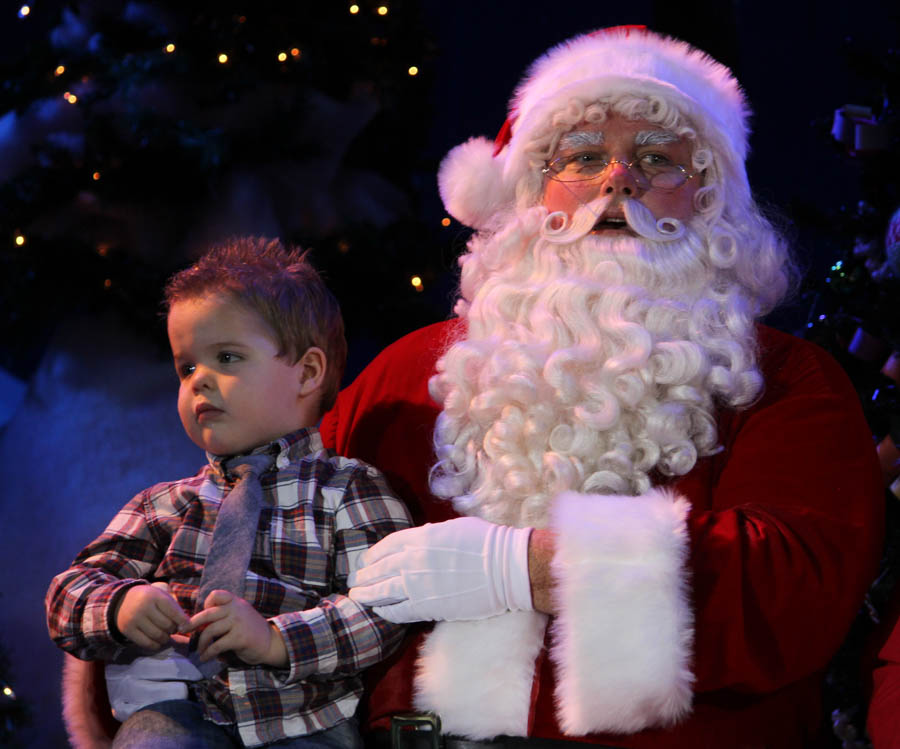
<point>230,623</point>
<point>148,615</point>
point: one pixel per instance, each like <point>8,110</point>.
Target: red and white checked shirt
<point>320,512</point>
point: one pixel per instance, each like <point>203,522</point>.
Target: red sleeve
<point>386,418</point>
<point>883,720</point>
<point>789,533</point>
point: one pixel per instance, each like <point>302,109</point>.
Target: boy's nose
<point>201,380</point>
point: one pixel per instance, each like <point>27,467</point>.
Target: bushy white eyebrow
<point>580,139</point>
<point>586,138</point>
<point>654,137</point>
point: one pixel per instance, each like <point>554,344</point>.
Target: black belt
<point>424,732</point>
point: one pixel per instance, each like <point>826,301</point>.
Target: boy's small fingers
<point>206,617</point>
<point>218,598</point>
<point>169,606</point>
<point>187,626</point>
<point>151,637</point>
<point>209,637</point>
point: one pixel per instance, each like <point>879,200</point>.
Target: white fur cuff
<point>478,675</point>
<point>623,640</point>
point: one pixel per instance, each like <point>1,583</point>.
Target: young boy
<point>258,345</point>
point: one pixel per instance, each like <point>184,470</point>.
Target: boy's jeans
<point>179,724</point>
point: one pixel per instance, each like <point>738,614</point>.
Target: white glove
<point>465,568</point>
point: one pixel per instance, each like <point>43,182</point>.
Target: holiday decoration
<point>133,134</point>
<point>853,313</point>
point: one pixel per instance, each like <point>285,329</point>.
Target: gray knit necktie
<point>234,535</point>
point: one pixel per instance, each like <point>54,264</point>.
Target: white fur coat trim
<point>623,641</point>
<point>478,675</point>
<point>621,644</point>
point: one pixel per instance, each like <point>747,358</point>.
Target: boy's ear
<point>313,365</point>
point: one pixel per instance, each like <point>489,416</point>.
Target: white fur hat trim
<point>470,181</point>
<point>474,184</point>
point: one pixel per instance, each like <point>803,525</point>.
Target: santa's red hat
<point>478,178</point>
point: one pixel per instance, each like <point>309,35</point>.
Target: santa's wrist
<point>540,554</point>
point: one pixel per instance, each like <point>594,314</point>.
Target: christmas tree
<point>851,312</point>
<point>135,134</point>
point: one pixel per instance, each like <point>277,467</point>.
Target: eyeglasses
<point>650,170</point>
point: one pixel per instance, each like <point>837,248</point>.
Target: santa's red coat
<point>762,580</point>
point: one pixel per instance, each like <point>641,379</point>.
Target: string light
<point>354,9</point>
<point>20,240</point>
<point>107,283</point>
<point>70,97</point>
<point>223,58</point>
<point>282,56</point>
<point>24,11</point>
<point>295,52</point>
<point>416,283</point>
<point>8,692</point>
<point>170,48</point>
<point>413,70</point>
<point>95,176</point>
<point>60,69</point>
<point>445,221</point>
<point>382,10</point>
<point>103,250</point>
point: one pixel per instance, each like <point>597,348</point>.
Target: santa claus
<point>650,519</point>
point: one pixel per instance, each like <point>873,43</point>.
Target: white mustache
<point>559,228</point>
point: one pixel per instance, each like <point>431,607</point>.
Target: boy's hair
<point>280,285</point>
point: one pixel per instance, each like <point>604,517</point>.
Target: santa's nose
<point>618,180</point>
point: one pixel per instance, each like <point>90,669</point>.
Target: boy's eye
<point>227,357</point>
<point>185,370</point>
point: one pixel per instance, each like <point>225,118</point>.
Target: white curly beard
<point>590,363</point>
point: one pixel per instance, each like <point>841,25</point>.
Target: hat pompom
<point>471,183</point>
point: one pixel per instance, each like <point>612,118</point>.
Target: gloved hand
<point>465,568</point>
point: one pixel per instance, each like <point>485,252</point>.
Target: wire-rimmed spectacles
<point>650,170</point>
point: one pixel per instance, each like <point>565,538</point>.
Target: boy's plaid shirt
<point>320,513</point>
